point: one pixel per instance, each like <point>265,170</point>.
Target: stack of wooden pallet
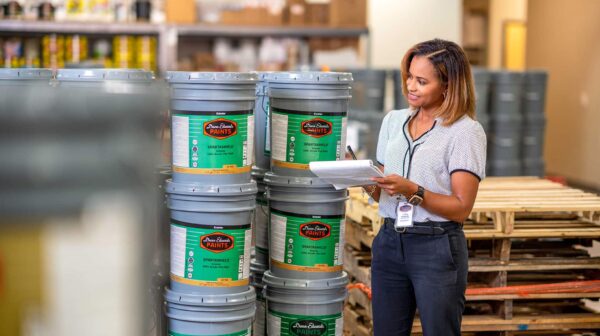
<point>530,258</point>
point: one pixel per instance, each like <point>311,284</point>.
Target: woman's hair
<point>453,69</point>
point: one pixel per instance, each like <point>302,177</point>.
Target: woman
<point>433,155</point>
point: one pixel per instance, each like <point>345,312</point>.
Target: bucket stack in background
<point>510,106</point>
<point>301,117</point>
<point>212,198</point>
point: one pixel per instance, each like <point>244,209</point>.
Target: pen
<point>351,152</point>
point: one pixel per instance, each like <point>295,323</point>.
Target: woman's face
<point>424,87</point>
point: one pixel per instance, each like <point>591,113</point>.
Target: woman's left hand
<point>393,184</point>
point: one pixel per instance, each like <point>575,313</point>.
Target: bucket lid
<point>97,75</point>
<point>231,299</point>
<point>535,76</point>
<point>321,284</point>
<point>507,77</point>
<point>197,189</point>
<point>212,77</point>
<point>295,181</point>
<point>310,77</point>
<point>26,74</point>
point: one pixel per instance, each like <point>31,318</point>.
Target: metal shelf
<point>23,26</point>
<point>168,33</point>
<point>99,28</point>
<point>253,31</point>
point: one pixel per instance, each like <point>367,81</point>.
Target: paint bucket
<point>210,314</point>
<point>306,227</point>
<point>304,307</point>
<point>262,130</point>
<point>308,119</point>
<point>257,270</point>
<point>114,80</point>
<point>14,82</point>
<point>212,121</point>
<point>24,76</point>
<point>261,220</point>
<point>482,79</point>
<point>211,236</point>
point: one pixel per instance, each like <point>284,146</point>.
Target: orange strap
<point>359,285</point>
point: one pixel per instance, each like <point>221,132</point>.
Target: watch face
<point>415,200</point>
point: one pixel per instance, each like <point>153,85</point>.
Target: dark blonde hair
<point>453,69</point>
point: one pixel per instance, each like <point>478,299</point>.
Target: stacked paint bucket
<point>211,198</point>
<point>504,158</point>
<point>305,286</point>
<point>534,122</point>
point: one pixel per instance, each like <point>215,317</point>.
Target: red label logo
<point>220,128</point>
<point>317,127</point>
<point>315,230</point>
<point>216,242</point>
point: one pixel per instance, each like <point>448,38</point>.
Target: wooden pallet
<point>507,204</point>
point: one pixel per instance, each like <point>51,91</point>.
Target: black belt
<point>424,228</point>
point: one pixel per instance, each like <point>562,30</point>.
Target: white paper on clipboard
<point>346,173</point>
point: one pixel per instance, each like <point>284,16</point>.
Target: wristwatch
<point>417,198</point>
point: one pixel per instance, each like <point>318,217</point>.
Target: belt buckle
<point>402,229</point>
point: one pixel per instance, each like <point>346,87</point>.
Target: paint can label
<point>281,324</point>
<point>210,255</point>
<point>306,243</point>
<point>213,142</point>
<point>299,138</point>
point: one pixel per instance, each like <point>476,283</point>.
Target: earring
<point>444,94</point>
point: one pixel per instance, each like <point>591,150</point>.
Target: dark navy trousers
<point>413,271</point>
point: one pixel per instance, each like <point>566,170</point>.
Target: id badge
<point>404,215</point>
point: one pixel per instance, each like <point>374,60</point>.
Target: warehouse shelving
<point>168,34</point>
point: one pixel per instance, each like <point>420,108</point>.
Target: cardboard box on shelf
<point>296,13</point>
<point>251,16</point>
<point>348,13</point>
<point>317,14</point>
<point>180,11</point>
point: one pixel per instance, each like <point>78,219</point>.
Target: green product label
<point>302,137</point>
<point>210,255</point>
<point>301,241</point>
<point>213,140</point>
<point>304,325</point>
<point>239,333</point>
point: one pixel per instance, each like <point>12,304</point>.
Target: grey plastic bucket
<point>220,314</point>
<point>306,227</point>
<point>482,80</point>
<point>504,167</point>
<point>534,96</point>
<point>261,220</point>
<point>505,94</point>
<point>211,236</point>
<point>308,119</point>
<point>295,305</point>
<point>24,76</point>
<point>399,100</point>
<point>257,270</point>
<point>262,138</point>
<point>368,89</point>
<point>212,126</point>
<point>115,80</point>
<point>34,80</point>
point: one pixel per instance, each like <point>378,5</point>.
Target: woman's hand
<point>395,185</point>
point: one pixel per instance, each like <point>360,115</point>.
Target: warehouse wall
<point>396,25</point>
<point>500,12</point>
<point>563,37</point>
